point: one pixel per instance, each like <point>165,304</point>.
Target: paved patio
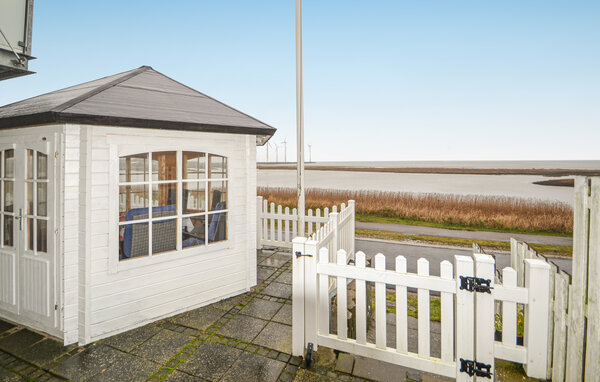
<point>244,338</point>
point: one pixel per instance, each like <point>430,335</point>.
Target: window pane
<point>29,164</point>
<point>29,198</point>
<point>164,165</point>
<point>217,227</point>
<point>42,166</point>
<point>42,197</point>
<point>133,168</point>
<point>164,235</point>
<point>8,196</point>
<point>194,165</point>
<point>194,197</point>
<point>133,200</point>
<point>42,236</point>
<point>217,193</point>
<point>192,231</point>
<point>9,163</point>
<point>8,230</point>
<point>30,232</point>
<point>133,241</point>
<point>217,166</point>
<point>164,199</point>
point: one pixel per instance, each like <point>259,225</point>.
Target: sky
<point>383,79</point>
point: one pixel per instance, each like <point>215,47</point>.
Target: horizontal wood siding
<point>130,296</point>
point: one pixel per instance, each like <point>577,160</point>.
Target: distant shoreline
<point>442,170</point>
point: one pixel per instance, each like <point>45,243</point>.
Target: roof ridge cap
<point>74,101</point>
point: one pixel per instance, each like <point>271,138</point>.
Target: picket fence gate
<point>468,294</point>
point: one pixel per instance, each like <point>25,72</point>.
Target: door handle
<point>20,218</point>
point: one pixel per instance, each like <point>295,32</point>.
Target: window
<point>170,201</point>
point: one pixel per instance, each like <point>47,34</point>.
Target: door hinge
<point>55,306</point>
<point>474,368</point>
<point>475,284</point>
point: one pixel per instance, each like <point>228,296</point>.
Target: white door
<point>27,254</point>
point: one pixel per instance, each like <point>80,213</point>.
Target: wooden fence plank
<point>323,303</point>
<point>559,356</point>
<point>465,315</point>
<point>447,315</point>
<point>380,306</point>
<point>342,300</point>
<point>423,301</point>
<point>537,276</point>
<point>361,302</point>
<point>484,317</point>
<point>401,310</point>
<point>509,310</point>
<point>592,353</point>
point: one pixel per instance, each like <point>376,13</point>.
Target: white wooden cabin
<point>124,200</point>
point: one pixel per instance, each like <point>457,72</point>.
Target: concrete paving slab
<point>254,368</point>
<point>276,336</point>
<point>7,376</point>
<point>378,370</point>
<point>243,327</point>
<point>263,273</point>
<point>227,303</point>
<point>262,308</point>
<point>129,340</point>
<point>210,361</point>
<point>304,375</point>
<point>344,363</point>
<point>134,368</point>
<point>178,376</point>
<point>284,315</point>
<point>161,347</point>
<point>200,318</point>
<point>276,289</point>
<point>45,352</point>
<point>85,365</point>
<point>4,326</point>
<point>18,342</point>
<point>285,278</point>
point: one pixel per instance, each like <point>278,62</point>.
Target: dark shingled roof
<point>142,98</point>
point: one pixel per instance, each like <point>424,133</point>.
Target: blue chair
<point>212,229</point>
<point>163,232</point>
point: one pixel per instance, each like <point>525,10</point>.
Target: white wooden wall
<point>104,296</point>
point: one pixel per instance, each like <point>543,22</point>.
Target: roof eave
<point>51,117</point>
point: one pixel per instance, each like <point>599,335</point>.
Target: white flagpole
<point>299,118</point>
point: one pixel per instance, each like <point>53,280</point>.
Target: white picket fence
<point>278,226</point>
<point>467,318</point>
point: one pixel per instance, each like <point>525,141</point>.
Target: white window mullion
<point>179,201</point>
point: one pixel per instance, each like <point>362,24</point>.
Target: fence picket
<point>323,302</point>
<point>295,222</point>
<point>509,309</point>
<point>342,300</point>
<point>279,224</point>
<point>361,302</point>
<point>401,310</point>
<point>309,222</point>
<point>484,317</point>
<point>447,315</point>
<point>380,306</point>
<point>259,218</point>
<point>272,210</point>
<point>537,272</point>
<point>265,233</point>
<point>592,354</point>
<point>423,309</point>
<point>559,356</point>
<point>465,314</point>
<point>286,224</point>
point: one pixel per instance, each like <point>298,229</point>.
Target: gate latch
<point>478,369</point>
<point>299,254</point>
<point>475,284</point>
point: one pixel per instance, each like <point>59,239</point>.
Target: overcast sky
<point>384,80</point>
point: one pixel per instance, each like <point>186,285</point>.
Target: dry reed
<point>491,212</point>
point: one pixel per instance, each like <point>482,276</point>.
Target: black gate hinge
<point>299,254</point>
<point>478,369</point>
<point>475,284</point>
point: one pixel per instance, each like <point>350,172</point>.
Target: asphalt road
<point>475,235</point>
<point>435,255</point>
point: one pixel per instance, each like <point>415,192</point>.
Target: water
<point>463,184</point>
<point>545,164</point>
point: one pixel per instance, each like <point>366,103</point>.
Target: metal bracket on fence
<point>299,254</point>
<point>472,368</point>
<point>475,284</point>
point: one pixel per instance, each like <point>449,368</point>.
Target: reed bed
<point>474,211</point>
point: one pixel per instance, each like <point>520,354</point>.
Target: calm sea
<point>463,184</point>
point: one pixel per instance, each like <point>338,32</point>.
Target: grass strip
<point>458,227</point>
<point>546,249</point>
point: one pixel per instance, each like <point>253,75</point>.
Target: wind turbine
<point>285,149</point>
<point>276,153</point>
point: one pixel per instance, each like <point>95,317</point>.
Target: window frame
<point>118,151</point>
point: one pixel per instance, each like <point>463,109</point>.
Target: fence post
<point>465,315</point>
<point>577,292</point>
<point>537,282</point>
<point>298,280</point>
<point>485,312</point>
<point>311,292</point>
<point>259,222</point>
<point>592,354</point>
